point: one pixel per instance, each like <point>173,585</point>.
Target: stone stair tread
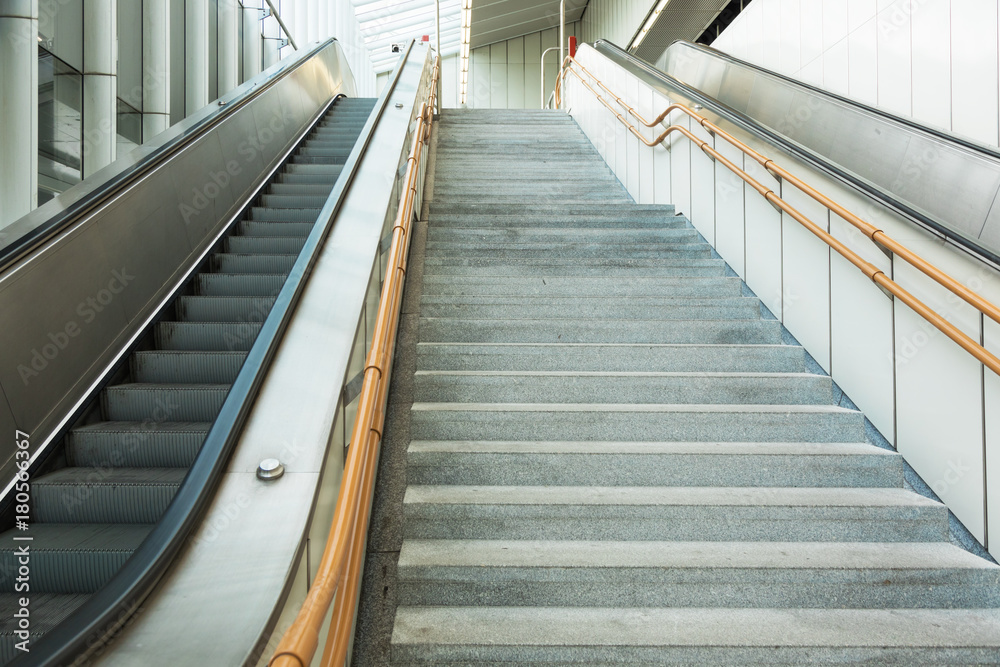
<point>628,407</point>
<point>678,496</point>
<point>545,554</point>
<point>825,449</point>
<point>485,628</point>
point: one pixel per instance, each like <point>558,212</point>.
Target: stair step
<point>539,209</point>
<point>266,245</point>
<point>726,514</point>
<point>180,367</point>
<point>104,495</point>
<point>294,189</point>
<point>571,250</point>
<point>206,336</point>
<point>573,307</point>
<point>176,402</point>
<point>240,284</point>
<point>610,358</point>
<point>577,286</point>
<point>627,387</point>
<point>266,214</point>
<point>70,558</point>
<point>147,444</point>
<point>224,308</point>
<point>466,330</point>
<point>47,610</point>
<point>650,422</point>
<point>730,464</point>
<point>774,575</point>
<point>567,236</point>
<point>279,229</point>
<point>246,263</point>
<point>589,636</point>
<point>293,201</point>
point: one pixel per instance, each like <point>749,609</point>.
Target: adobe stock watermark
<point>59,341</point>
<point>950,478</point>
<point>249,149</point>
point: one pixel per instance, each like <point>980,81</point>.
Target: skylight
<point>388,22</point>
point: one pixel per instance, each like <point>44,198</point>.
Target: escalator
<point>98,497</point>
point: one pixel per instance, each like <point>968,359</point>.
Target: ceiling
<point>679,19</point>
<point>497,20</point>
<point>388,22</point>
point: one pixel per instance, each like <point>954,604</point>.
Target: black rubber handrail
<point>78,206</point>
<point>110,607</point>
<point>659,80</point>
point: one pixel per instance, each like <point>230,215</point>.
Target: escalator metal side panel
<point>73,306</point>
<point>948,182</point>
<point>223,602</point>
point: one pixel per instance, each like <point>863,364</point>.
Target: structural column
<point>195,55</point>
<point>229,45</point>
<point>251,41</point>
<point>18,109</point>
<point>271,36</point>
<point>100,84</point>
<point>155,67</point>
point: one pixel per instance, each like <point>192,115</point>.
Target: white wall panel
<point>931,24</point>
<point>763,240</point>
<point>836,68</point>
<point>811,29</point>
<point>894,47</point>
<point>835,22</point>
<point>805,276</point>
<point>771,17</point>
<point>729,222</point>
<point>702,212</point>
<point>498,76</point>
<point>934,60</point>
<point>991,400</point>
<point>861,330</point>
<point>790,49</point>
<point>632,143</point>
<point>661,159</point>
<point>860,12</point>
<point>974,69</point>
<point>939,415</point>
<point>680,168</point>
<point>863,53</point>
<point>753,18</point>
<point>647,175</point>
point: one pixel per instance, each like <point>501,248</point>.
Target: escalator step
<point>186,367</point>
<point>325,169</point>
<point>292,201</point>
<point>307,190</point>
<point>326,148</point>
<point>257,228</point>
<point>312,159</point>
<point>230,263</point>
<point>265,245</point>
<point>264,214</point>
<point>206,336</point>
<point>136,444</point>
<point>177,402</point>
<point>70,558</point>
<point>104,495</point>
<point>224,308</point>
<point>328,179</point>
<point>47,611</point>
<point>242,284</point>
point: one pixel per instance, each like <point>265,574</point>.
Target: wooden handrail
<point>876,235</point>
<point>340,566</point>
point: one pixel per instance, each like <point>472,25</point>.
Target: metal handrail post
<point>551,48</point>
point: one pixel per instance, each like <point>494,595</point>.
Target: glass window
<point>60,131</point>
<point>129,127</point>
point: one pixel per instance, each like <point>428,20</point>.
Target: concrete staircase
<point>616,460</point>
